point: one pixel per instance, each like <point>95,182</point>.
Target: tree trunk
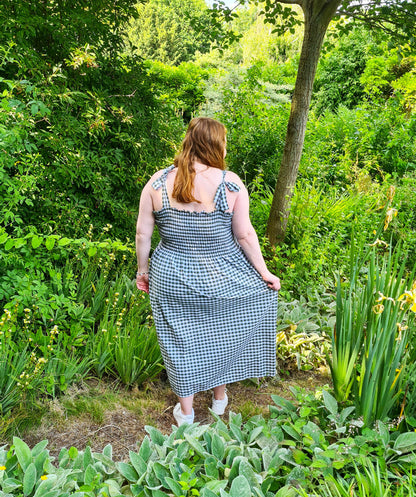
<point>317,15</point>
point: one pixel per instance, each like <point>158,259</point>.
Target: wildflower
<point>383,297</point>
<point>379,242</point>
<point>43,477</point>
<point>400,329</point>
<point>378,309</point>
<point>390,214</point>
<point>409,297</point>
<point>2,468</point>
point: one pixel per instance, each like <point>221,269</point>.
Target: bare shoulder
<point>155,176</point>
<point>230,176</point>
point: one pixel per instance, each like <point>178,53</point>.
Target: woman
<point>213,299</point>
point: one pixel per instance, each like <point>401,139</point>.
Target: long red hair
<point>204,142</point>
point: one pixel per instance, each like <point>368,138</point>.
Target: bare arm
<point>144,230</point>
<point>247,238</point>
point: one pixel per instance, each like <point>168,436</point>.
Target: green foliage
<point>375,137</point>
<point>373,330</point>
<point>125,344</point>
<point>303,329</point>
<point>303,445</point>
<point>83,132</point>
<point>56,303</point>
<point>338,76</point>
<point>52,28</point>
<point>170,32</point>
<point>181,87</point>
<point>247,106</point>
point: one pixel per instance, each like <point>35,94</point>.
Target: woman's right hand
<point>272,281</point>
<point>142,282</point>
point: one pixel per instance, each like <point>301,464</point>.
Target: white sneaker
<point>218,406</point>
<point>182,418</point>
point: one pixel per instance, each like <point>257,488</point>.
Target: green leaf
<point>211,469</point>
<point>128,471</point>
<point>193,442</point>
<point>240,487</point>
<point>88,459</point>
<point>92,251</point>
<point>3,238</point>
<point>405,441</point>
<point>206,492</point>
<point>23,453</point>
<point>29,479</point>
<point>174,486</point>
<point>217,447</point>
<point>89,475</point>
<point>50,242</point>
<point>155,435</point>
<point>145,449</point>
<point>330,403</point>
<point>292,432</point>
<point>39,447</point>
<point>9,244</point>
<point>19,242</point>
<point>255,433</point>
<point>236,431</point>
<point>108,451</point>
<point>283,403</point>
<point>73,452</point>
<point>64,241</point>
<point>158,493</point>
<point>216,485</point>
<point>287,491</point>
<point>138,463</point>
<point>37,241</point>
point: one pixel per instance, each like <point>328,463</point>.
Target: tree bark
<point>317,16</point>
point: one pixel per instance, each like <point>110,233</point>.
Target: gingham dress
<point>215,317</point>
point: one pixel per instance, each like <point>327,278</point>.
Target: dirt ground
<point>123,423</point>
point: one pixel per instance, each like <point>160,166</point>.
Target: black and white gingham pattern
<point>215,317</point>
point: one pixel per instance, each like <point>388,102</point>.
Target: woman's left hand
<point>272,281</point>
<point>142,282</point>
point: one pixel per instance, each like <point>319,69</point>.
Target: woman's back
<point>202,229</point>
<point>206,182</point>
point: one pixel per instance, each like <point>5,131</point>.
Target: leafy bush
<point>57,300</point>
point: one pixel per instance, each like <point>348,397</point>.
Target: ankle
<point>187,412</point>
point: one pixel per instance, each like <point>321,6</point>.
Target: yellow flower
<point>409,297</point>
<point>390,214</point>
<point>2,468</point>
<point>378,309</point>
<point>379,242</point>
<point>43,477</point>
<point>383,297</point>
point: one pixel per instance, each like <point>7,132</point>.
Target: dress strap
<point>220,199</point>
<point>161,182</point>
